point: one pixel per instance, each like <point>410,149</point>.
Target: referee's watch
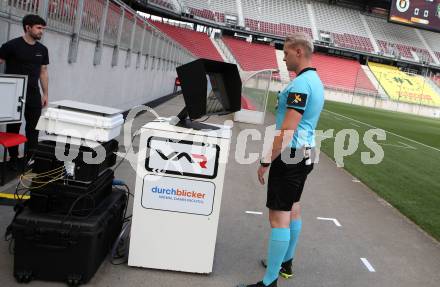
<point>264,164</point>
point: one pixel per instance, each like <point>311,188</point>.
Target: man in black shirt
<point>26,56</point>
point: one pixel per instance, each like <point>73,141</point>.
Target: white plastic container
<point>95,123</point>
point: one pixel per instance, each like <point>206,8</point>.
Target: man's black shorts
<point>286,183</point>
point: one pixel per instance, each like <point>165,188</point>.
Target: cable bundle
<point>30,180</point>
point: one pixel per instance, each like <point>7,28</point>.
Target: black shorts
<point>286,183</point>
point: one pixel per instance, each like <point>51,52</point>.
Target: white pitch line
<point>436,149</point>
<point>254,212</point>
<point>368,265</point>
<point>353,124</point>
<point>399,146</point>
<point>405,144</point>
<point>335,221</point>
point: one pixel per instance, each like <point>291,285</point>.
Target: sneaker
<point>286,268</point>
<point>260,284</point>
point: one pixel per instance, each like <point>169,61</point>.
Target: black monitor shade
<point>226,85</point>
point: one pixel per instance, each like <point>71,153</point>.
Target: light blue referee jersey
<point>306,95</point>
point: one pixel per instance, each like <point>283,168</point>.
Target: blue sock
<point>278,244</point>
<point>295,230</point>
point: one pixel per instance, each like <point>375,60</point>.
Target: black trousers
<point>31,116</point>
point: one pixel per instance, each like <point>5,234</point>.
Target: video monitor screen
<point>210,88</point>
<point>216,102</point>
<point>424,14</point>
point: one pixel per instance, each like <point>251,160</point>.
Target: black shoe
<point>13,163</point>
<point>260,284</point>
<point>286,268</point>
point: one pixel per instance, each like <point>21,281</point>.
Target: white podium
<point>178,194</point>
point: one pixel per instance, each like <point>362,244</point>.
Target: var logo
<point>182,157</point>
<point>176,156</point>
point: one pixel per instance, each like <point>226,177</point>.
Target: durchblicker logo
<point>179,194</point>
<point>402,5</point>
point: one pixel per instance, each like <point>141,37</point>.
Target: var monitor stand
<point>184,121</point>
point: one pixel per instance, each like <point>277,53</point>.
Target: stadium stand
<point>437,80</point>
<point>394,39</point>
<point>251,56</point>
<point>196,42</point>
<point>433,40</point>
<point>341,74</point>
<point>404,87</point>
<point>337,21</point>
<point>164,4</point>
<point>281,17</point>
<point>278,17</point>
<point>211,10</point>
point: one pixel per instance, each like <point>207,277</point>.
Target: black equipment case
<point>64,196</point>
<point>45,159</point>
<point>55,248</point>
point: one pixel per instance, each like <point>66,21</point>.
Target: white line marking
<point>353,124</point>
<point>436,149</point>
<point>254,212</point>
<point>335,221</point>
<point>355,180</point>
<point>399,146</point>
<point>409,146</point>
<point>383,202</point>
<point>368,265</point>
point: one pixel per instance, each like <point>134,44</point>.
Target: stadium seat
<point>341,74</point>
<point>211,10</point>
<point>343,26</point>
<point>164,3</point>
<point>276,12</point>
<point>196,42</point>
<point>280,29</point>
<point>393,39</point>
<point>262,55</point>
<point>358,43</point>
<point>433,40</point>
<point>437,80</point>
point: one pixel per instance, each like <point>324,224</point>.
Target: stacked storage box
<point>73,216</point>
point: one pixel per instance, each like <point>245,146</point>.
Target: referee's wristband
<point>264,164</point>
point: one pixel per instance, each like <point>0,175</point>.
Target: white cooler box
<point>81,120</point>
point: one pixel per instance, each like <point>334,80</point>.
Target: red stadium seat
<point>281,29</point>
<point>196,42</point>
<point>340,73</point>
<point>262,55</point>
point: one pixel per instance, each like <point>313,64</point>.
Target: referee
<point>299,108</point>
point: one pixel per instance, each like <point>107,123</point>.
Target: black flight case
<point>69,196</point>
<point>45,159</point>
<point>55,248</point>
